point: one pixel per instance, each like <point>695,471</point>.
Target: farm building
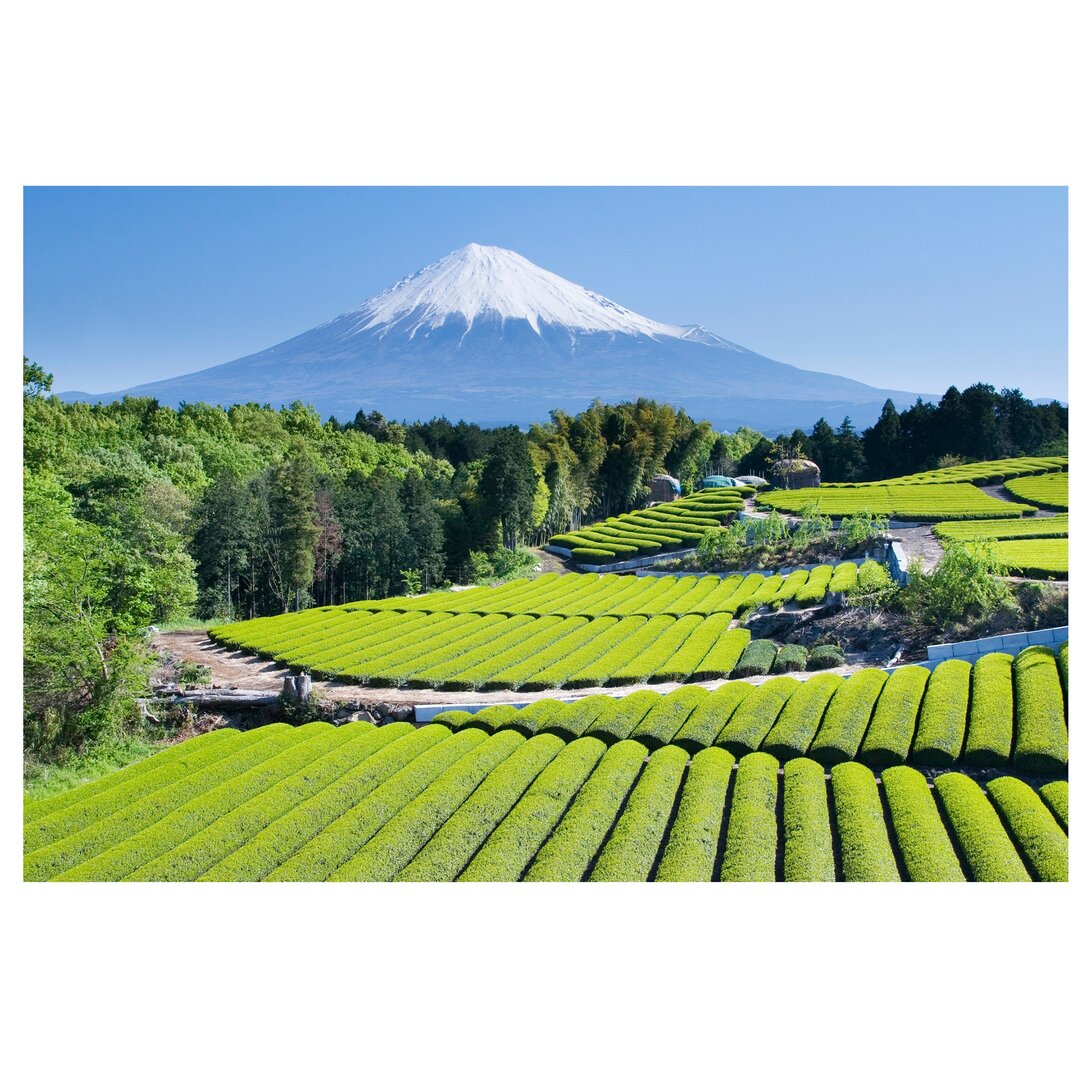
<point>664,488</point>
<point>718,482</point>
<point>796,473</point>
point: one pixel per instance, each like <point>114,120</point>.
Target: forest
<point>137,514</point>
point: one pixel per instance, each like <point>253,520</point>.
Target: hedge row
<point>507,852</point>
<point>892,726</point>
<point>569,852</point>
<point>449,851</point>
<point>278,842</point>
<point>691,851</point>
<point>1033,827</point>
<point>865,851</point>
<point>757,659</point>
<point>989,739</point>
<point>1042,738</point>
<point>984,843</point>
<point>408,831</point>
<point>1056,796</point>
<point>808,841</point>
<point>756,715</point>
<point>939,736</point>
<point>630,853</point>
<point>337,842</point>
<point>750,851</point>
<point>847,717</point>
<point>921,836</point>
<point>801,717</point>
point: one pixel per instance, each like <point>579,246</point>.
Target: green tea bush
<point>750,851</point>
<point>808,842</point>
<point>865,851</point>
<point>984,843</point>
<point>707,721</point>
<point>667,717</point>
<point>755,716</point>
<point>921,836</point>
<point>507,852</point>
<point>990,714</point>
<point>800,719</point>
<point>847,717</point>
<point>1056,796</point>
<point>1042,738</point>
<point>691,851</point>
<point>939,735</point>
<point>825,656</point>
<point>791,658</point>
<point>631,851</point>
<point>1034,827</point>
<point>757,659</point>
<point>892,726</point>
<point>569,852</point>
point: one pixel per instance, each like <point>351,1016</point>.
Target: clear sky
<point>944,285</point>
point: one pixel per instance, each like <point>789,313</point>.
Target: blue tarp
<point>718,482</point>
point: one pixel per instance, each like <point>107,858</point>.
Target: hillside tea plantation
<point>665,527</point>
<point>555,631</point>
<point>1049,492</point>
<point>901,501</point>
<point>397,803</point>
<point>1008,529</point>
<point>979,472</point>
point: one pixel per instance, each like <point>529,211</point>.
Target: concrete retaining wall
<point>1007,643</point>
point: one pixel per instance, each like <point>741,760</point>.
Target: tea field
<point>1049,492</point>
<point>361,803</point>
<point>555,631</point>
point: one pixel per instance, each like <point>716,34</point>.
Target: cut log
<point>218,699</point>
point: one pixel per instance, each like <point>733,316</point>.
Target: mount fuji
<point>485,335</point>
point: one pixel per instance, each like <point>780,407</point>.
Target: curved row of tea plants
<point>978,472</point>
<point>998,713</point>
<point>1034,558</point>
<point>362,803</point>
<point>1010,529</point>
<point>1051,492</point>
<point>902,502</point>
<point>664,527</point>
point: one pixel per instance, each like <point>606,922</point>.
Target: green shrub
<point>507,852</point>
<point>1042,739</point>
<point>401,838</point>
<point>686,660</point>
<point>990,714</point>
<point>939,733</point>
<point>724,655</point>
<point>1034,827</point>
<point>825,656</point>
<point>568,854</point>
<point>755,715</point>
<point>631,851</point>
<point>258,804</point>
<point>757,659</point>
<point>750,851</point>
<point>789,588</point>
<point>617,722</point>
<point>59,841</point>
<point>278,842</point>
<point>449,851</point>
<point>338,841</point>
<point>791,658</point>
<point>817,584</point>
<point>598,665</point>
<point>892,726</point>
<point>984,843</point>
<point>593,554</point>
<point>865,851</point>
<point>847,717</point>
<point>844,578</point>
<point>639,668</point>
<point>575,718</point>
<point>1056,796</point>
<point>921,836</point>
<point>800,719</point>
<point>710,717</point>
<point>668,716</point>
<point>690,853</point>
<point>808,843</point>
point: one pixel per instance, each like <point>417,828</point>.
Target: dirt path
<point>921,543</point>
<point>235,670</point>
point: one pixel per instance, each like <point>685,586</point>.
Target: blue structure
<point>718,482</point>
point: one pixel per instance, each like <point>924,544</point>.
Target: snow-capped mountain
<point>483,334</point>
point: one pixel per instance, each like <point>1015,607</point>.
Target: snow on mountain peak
<point>480,280</point>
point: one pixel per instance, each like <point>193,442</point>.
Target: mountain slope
<point>483,334</point>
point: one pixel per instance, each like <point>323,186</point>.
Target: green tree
<point>508,484</point>
<point>36,381</point>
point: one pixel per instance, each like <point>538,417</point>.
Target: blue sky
<point>910,288</point>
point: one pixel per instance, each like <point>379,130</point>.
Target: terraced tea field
<point>979,472</point>
<point>1034,558</point>
<point>997,713</point>
<point>665,527</point>
<point>555,631</point>
<point>931,502</point>
<point>1050,492</point>
<point>1008,529</point>
<point>361,803</point>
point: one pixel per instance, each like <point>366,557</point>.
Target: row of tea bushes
<point>431,804</point>
<point>998,713</point>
